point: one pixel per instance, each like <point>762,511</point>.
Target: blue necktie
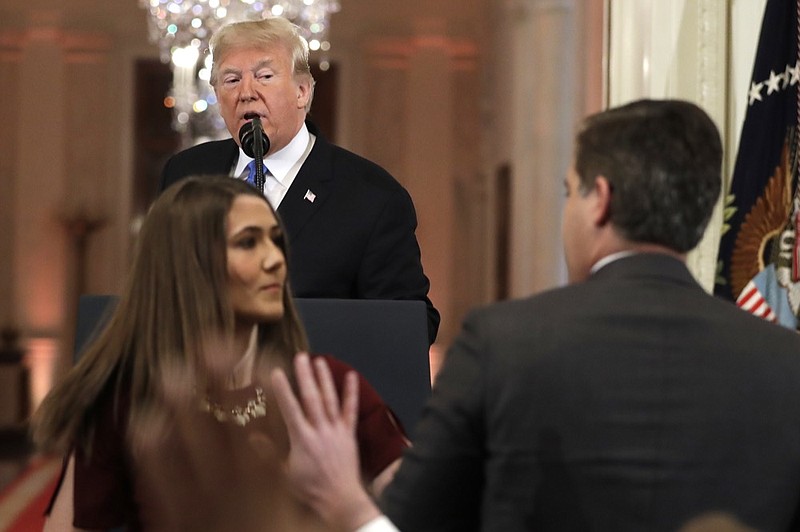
<point>251,173</point>
<point>271,189</point>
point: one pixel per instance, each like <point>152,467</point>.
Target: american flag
<point>758,257</point>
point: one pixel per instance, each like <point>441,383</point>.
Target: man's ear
<point>303,91</point>
<point>602,210</point>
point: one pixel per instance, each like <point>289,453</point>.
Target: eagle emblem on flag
<point>759,256</point>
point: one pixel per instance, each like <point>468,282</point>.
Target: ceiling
<point>126,20</point>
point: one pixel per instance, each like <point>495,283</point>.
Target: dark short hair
<point>663,161</point>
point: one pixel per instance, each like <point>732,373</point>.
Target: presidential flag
<point>758,257</point>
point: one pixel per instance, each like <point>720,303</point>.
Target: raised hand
<point>323,459</point>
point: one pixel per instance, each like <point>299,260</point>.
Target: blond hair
<point>265,33</point>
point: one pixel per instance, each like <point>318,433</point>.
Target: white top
<point>242,374</point>
<point>283,165</point>
<point>379,524</point>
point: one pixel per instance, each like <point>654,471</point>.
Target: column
<point>545,102</point>
<point>416,128</point>
<point>429,158</point>
<point>40,244</point>
<point>58,182</point>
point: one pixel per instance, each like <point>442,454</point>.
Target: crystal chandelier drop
<point>182,29</point>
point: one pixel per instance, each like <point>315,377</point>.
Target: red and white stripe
<point>753,302</point>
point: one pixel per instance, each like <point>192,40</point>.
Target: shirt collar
<point>282,161</point>
<point>608,259</point>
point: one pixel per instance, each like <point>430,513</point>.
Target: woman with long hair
<point>168,420</point>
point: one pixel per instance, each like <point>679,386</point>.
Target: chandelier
<point>182,29</point>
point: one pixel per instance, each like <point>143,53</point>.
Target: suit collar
<point>311,188</point>
<point>312,128</point>
<point>281,163</point>
<point>230,152</point>
<point>656,265</point>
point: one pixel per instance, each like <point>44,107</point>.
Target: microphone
<point>255,144</point>
<point>253,139</point>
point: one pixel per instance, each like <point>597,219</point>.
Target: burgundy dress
<point>203,474</point>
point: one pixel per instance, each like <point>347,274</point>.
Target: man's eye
<point>230,81</point>
<point>264,77</point>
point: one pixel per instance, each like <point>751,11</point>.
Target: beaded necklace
<point>240,415</point>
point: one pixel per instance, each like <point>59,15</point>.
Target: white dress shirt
<point>608,259</point>
<point>283,165</point>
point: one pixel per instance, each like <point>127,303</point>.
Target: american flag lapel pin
<point>310,196</point>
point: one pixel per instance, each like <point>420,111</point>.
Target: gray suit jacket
<point>630,402</point>
<point>355,240</point>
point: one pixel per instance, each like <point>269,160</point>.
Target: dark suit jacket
<point>356,240</point>
<point>631,402</point>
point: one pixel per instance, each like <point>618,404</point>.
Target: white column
<point>675,49</point>
<point>544,103</point>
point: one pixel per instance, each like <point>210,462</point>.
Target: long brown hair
<point>175,298</point>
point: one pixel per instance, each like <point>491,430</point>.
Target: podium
<point>386,341</point>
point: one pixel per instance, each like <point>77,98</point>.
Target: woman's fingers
<point>309,390</point>
<point>288,404</point>
<point>350,401</point>
<point>330,398</point>
<point>317,404</point>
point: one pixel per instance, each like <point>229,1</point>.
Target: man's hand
<point>323,460</point>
